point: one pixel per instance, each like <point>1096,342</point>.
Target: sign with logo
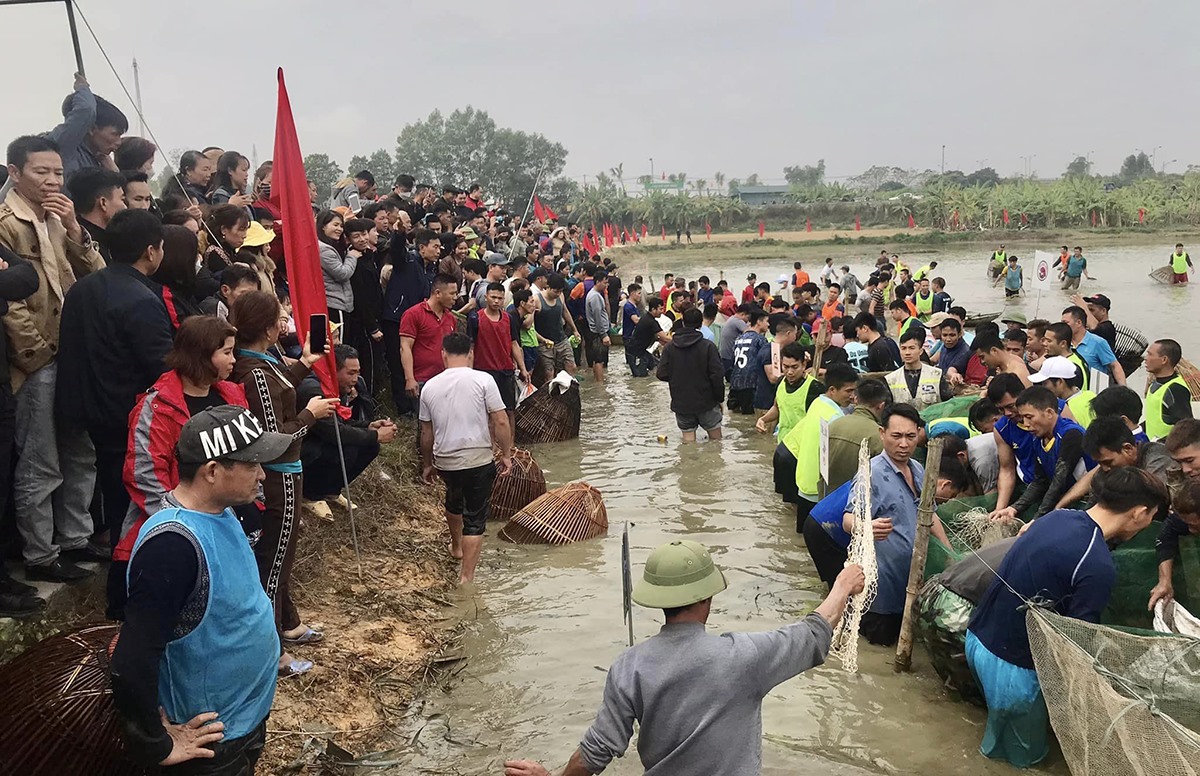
<point>1043,270</point>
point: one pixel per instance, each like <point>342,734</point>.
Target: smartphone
<point>318,332</point>
<point>352,199</point>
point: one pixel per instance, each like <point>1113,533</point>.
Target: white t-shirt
<point>458,402</point>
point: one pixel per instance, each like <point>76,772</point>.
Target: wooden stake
<point>916,572</point>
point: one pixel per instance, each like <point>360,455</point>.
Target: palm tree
<point>618,173</point>
<point>719,180</point>
<point>699,185</point>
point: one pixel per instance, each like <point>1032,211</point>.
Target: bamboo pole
<point>916,571</point>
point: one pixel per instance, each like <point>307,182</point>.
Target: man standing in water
<point>1180,264</point>
<point>697,695</point>
<point>692,368</point>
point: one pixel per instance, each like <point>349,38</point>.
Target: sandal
<point>295,668</point>
<point>309,636</point>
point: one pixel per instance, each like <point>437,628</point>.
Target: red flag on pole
<point>1141,215</point>
<point>539,212</point>
<point>955,221</point>
<point>550,213</point>
<point>707,230</point>
<point>1005,211</point>
<point>645,231</point>
<point>289,192</point>
<point>664,231</point>
<point>762,228</point>
<point>912,222</point>
<point>1093,218</point>
<point>857,224</point>
<point>808,224</point>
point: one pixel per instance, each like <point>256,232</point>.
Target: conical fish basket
<point>1191,376</point>
<point>58,715</point>
<point>568,514</point>
<point>514,491</point>
<point>549,417</point>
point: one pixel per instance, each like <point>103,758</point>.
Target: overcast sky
<point>700,86</point>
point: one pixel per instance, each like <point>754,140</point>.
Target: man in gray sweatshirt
<point>596,311</point>
<point>697,695</point>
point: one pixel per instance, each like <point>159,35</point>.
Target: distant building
<point>756,196</point>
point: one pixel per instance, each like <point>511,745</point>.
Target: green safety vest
<point>904,326</point>
<point>928,387</point>
<point>804,442</point>
<point>1179,264</point>
<point>1081,407</point>
<point>922,272</point>
<point>791,404</point>
<point>936,425</point>
<point>1078,361</point>
<point>1156,427</point>
<point>924,306</point>
<point>889,294</point>
<point>1000,258</point>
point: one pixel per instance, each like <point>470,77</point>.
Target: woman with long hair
<point>271,393</point>
<point>229,182</point>
<point>227,223</point>
<point>177,274</point>
<point>197,379</point>
<point>135,154</point>
<point>336,266</point>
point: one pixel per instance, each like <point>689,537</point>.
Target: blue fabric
<point>1024,445</point>
<point>1062,561</point>
<point>947,427</point>
<point>1018,723</point>
<point>829,511</point>
<point>705,295</point>
<point>891,497</point>
<point>1075,266</point>
<point>764,390</point>
<point>229,662</point>
<point>707,334</point>
<point>290,467</point>
<point>629,311</point>
<point>1012,279</point>
<point>746,362</point>
<point>956,357</point>
<point>1095,351</point>
<point>1047,459</point>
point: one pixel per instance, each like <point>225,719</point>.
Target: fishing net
<point>1120,702</point>
<point>972,530</point>
<point>861,552</point>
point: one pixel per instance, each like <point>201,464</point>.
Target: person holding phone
<point>271,395</point>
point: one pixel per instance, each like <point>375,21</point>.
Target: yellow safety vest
<point>804,442</point>
<point>1078,361</point>
<point>936,425</point>
<point>791,404</point>
<point>1000,258</point>
<point>1156,427</point>
<point>1081,407</point>
<point>1179,264</point>
<point>922,272</point>
<point>904,326</point>
<point>924,305</point>
<point>928,387</point>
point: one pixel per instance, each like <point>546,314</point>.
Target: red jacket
<point>151,470</point>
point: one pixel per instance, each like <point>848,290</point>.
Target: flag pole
<point>70,21</point>
<point>337,432</point>
<point>528,205</point>
<point>626,583</point>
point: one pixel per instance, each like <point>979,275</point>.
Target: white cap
<point>783,279</point>
<point>1055,366</point>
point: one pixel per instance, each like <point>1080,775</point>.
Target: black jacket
<point>368,297</point>
<point>17,282</point>
<point>112,341</point>
<point>692,367</point>
<point>356,431</point>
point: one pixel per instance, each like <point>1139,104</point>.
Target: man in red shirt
<point>748,291</point>
<point>667,287</point>
<point>421,330</point>
<point>497,344</point>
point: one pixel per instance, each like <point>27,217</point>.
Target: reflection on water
<point>546,622</point>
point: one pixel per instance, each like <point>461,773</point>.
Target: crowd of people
<point>157,407</point>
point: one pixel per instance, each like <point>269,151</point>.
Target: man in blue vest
<point>199,639</point>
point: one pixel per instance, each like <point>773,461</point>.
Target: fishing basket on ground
<point>58,715</point>
<point>515,490</point>
<point>572,513</point>
<point>1120,702</point>
<point>549,414</point>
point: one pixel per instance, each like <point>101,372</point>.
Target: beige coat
<point>31,325</point>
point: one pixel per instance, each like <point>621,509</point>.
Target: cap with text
<point>1058,367</point>
<point>228,433</point>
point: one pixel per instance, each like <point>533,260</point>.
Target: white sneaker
<point>341,501</point>
<point>319,509</point>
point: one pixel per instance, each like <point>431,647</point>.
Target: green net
<point>1120,702</point>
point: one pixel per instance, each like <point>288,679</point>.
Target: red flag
<point>1005,215</point>
<point>1024,218</point>
<point>955,220</point>
<point>762,228</point>
<point>645,231</point>
<point>550,213</point>
<point>538,211</point>
<point>808,224</point>
<point>664,231</point>
<point>608,235</point>
<point>911,221</point>
<point>707,230</point>
<point>1141,215</point>
<point>1093,218</point>
<point>664,176</point>
<point>857,225</point>
<point>289,193</point>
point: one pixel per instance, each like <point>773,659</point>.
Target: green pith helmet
<point>678,574</point>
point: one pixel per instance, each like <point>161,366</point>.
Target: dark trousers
<point>391,351</point>
<point>8,431</point>
<point>370,354</point>
<point>881,629</point>
<point>323,477</point>
<point>784,467</point>
<point>110,443</point>
<point>826,554</point>
<point>276,547</point>
<point>639,363</point>
<point>233,758</point>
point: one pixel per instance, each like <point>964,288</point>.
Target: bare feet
<point>455,552</point>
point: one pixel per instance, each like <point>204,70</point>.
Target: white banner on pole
<point>1043,270</point>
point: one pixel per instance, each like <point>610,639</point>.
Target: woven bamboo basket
<point>549,417</point>
<point>1191,376</point>
<point>572,513</point>
<point>58,715</point>
<point>514,491</point>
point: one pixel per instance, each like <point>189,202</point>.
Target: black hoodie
<point>692,367</point>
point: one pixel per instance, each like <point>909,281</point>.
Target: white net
<point>862,552</point>
<point>972,530</point>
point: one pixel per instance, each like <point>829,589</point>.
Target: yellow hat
<point>257,235</point>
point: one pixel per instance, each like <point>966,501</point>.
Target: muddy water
<point>546,622</point>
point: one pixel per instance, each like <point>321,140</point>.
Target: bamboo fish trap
<point>514,491</point>
<point>549,416</point>
<point>572,513</point>
<point>1191,376</point>
<point>58,715</point>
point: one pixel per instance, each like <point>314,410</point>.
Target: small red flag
<point>664,231</point>
<point>955,221</point>
<point>539,212</point>
<point>1005,211</point>
<point>707,230</point>
<point>1093,218</point>
<point>762,228</point>
<point>808,224</point>
<point>912,222</point>
<point>645,231</point>
<point>1024,218</point>
<point>1141,215</point>
<point>550,213</point>
<point>857,224</point>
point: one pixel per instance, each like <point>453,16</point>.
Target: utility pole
<point>943,158</point>
<point>137,93</point>
<point>651,168</point>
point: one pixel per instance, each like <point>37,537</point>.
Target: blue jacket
<point>409,284</point>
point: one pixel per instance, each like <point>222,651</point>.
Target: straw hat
<point>257,235</point>
<point>678,574</point>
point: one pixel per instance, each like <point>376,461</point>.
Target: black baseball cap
<point>228,433</point>
<point>1100,300</point>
